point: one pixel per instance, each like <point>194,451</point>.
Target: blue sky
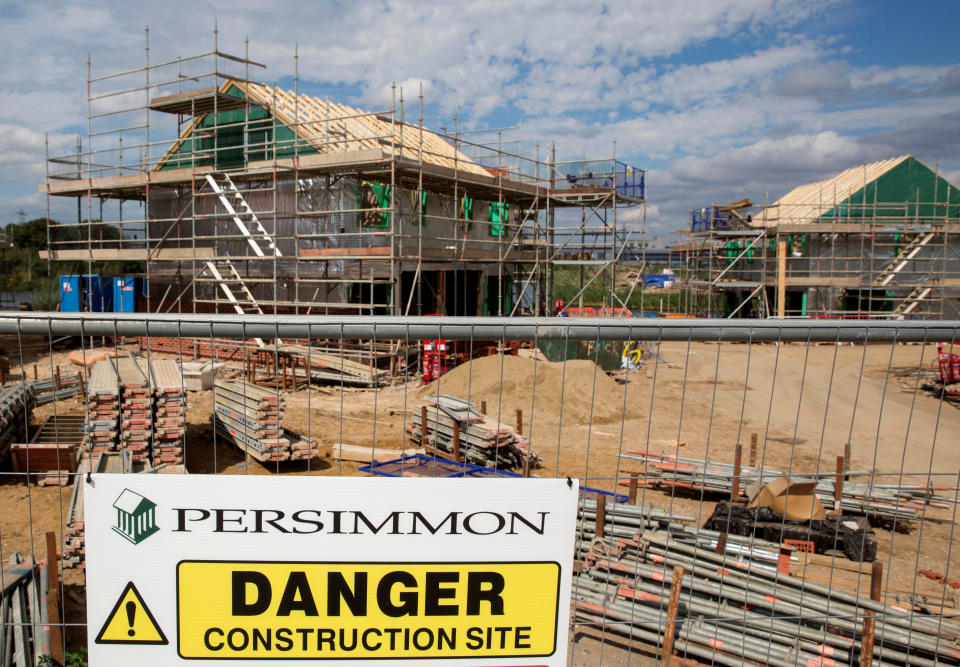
<point>719,100</point>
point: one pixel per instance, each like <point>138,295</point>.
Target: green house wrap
<point>498,214</point>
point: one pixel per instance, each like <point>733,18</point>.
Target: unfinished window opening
<point>372,195</point>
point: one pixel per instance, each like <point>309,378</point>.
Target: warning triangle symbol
<point>130,622</point>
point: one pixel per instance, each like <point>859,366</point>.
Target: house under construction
<point>877,240</point>
<point>238,196</point>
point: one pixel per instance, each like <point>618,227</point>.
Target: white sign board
<point>219,569</point>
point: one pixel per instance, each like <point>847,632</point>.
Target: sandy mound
<point>583,384</point>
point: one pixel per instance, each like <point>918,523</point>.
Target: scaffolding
<point>235,196</point>
<point>843,248</point>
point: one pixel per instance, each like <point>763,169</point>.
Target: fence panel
<point>755,492</point>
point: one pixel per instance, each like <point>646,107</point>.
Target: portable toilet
<point>70,294</point>
<point>125,293</point>
<point>98,294</point>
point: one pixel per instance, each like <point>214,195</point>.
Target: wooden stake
<point>601,522</point>
<point>737,454</point>
<point>423,425</point>
<point>838,485</point>
<point>483,407</point>
<point>53,599</point>
<point>669,632</point>
<point>869,622</point>
<point>456,440</point>
<point>721,543</point>
<point>753,449</point>
<point>519,421</point>
<point>632,493</point>
<point>34,371</point>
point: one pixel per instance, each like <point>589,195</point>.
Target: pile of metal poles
<point>888,502</point>
<point>63,385</point>
<point>452,428</point>
<point>16,402</point>
<point>734,609</point>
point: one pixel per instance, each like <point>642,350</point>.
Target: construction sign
<point>221,569</point>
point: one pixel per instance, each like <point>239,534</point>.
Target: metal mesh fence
<point>754,492</point>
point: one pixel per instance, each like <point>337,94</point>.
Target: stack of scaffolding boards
<point>738,606</point>
<point>170,403</point>
<point>251,417</point>
<point>136,401</point>
<point>24,632</point>
<point>103,407</point>
<point>16,402</point>
<point>482,441</point>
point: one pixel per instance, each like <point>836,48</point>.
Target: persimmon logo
<point>136,516</point>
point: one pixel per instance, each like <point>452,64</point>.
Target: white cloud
<point>721,98</point>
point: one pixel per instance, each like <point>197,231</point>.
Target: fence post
<point>52,595</point>
<point>869,622</point>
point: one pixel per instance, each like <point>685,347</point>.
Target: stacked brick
<point>103,408</point>
<point>252,419</point>
<point>170,404</point>
<point>136,400</point>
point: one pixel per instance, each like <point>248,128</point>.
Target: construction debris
<point>252,419</point>
<point>729,610</point>
<point>851,535</point>
<point>455,429</point>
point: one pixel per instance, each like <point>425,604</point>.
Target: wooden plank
<point>53,599</point>
<point>80,186</point>
<point>120,254</point>
<point>311,253</point>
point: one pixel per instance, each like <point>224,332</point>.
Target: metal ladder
<point>912,300</point>
<point>223,270</point>
<point>226,190</point>
<point>902,258</point>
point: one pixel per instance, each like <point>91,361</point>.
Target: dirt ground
<point>803,401</point>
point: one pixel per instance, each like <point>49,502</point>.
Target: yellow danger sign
<point>277,610</point>
<point>130,622</point>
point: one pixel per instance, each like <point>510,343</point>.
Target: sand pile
<point>582,382</point>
